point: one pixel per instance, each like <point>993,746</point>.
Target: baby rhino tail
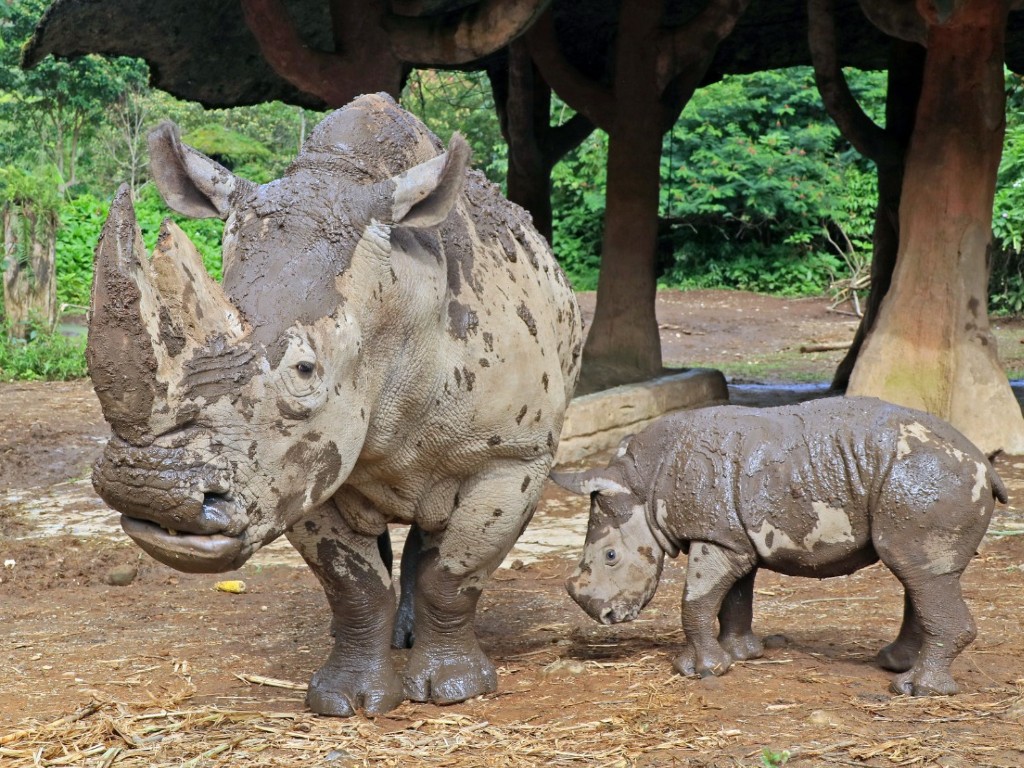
<point>998,487</point>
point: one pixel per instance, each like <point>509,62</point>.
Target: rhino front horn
<point>146,318</point>
<point>120,354</point>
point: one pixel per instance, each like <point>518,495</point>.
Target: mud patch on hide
<point>527,317</point>
<point>171,336</point>
<point>462,321</point>
<point>458,252</point>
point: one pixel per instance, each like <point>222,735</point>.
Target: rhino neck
<point>657,518</point>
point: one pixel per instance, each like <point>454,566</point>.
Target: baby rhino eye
<point>611,557</point>
<point>305,368</point>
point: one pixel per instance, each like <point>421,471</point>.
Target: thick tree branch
<point>569,135</point>
<point>689,48</point>
<point>897,18</point>
<point>867,137</point>
<point>580,92</point>
<point>336,78</point>
<point>477,31</point>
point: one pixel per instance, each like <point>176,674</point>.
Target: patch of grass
<point>45,355</point>
<point>779,368</point>
<point>772,759</point>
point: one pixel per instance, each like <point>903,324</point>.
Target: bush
<point>578,199</point>
<point>758,188</point>
<point>45,355</point>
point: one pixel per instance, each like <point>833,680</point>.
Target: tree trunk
<point>931,347</point>
<point>30,284</point>
<point>523,102</point>
<point>623,344</point>
<point>902,94</point>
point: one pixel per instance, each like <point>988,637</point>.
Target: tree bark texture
<point>931,347</point>
<point>30,284</point>
<point>902,94</point>
<point>523,102</point>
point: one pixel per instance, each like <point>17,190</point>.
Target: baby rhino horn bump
<point>588,482</point>
<point>122,360</point>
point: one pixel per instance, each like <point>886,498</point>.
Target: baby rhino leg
<point>735,633</point>
<point>901,653</point>
<point>935,618</point>
<point>711,573</point>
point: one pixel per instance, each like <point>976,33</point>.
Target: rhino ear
<point>190,182</point>
<point>588,482</point>
<point>424,194</point>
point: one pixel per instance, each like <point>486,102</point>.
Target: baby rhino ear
<point>588,482</point>
<point>425,194</point>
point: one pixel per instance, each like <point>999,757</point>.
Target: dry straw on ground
<point>649,726</point>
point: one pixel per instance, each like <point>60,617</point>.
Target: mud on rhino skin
<point>817,489</point>
<point>392,342</point>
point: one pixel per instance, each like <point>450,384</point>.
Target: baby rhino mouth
<point>208,547</point>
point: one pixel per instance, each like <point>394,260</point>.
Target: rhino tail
<point>998,486</point>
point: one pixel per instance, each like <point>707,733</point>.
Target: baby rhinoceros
<point>818,489</point>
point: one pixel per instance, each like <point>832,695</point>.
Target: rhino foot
<point>897,656</point>
<point>449,679</point>
<point>711,662</point>
<point>343,692</point>
<point>742,647</point>
<point>924,683</point>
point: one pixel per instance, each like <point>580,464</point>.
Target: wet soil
<point>583,693</point>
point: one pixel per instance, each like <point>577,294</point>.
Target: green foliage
<point>45,355</point>
<point>238,153</point>
<point>578,196</point>
<point>759,190</point>
<point>60,102</point>
<point>460,101</point>
<point>772,759</point>
<point>37,188</point>
<point>1006,284</point>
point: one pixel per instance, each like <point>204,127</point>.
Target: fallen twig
<point>829,346</point>
<point>272,682</point>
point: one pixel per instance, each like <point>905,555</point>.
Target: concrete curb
<point>598,421</point>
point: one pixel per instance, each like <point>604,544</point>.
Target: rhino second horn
<point>196,306</point>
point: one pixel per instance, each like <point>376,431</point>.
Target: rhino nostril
<point>606,616</point>
<point>214,517</point>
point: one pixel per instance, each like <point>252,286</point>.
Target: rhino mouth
<point>618,615</point>
<point>188,552</point>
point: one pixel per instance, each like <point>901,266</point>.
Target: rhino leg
<point>901,653</point>
<point>359,673</point>
<point>711,573</point>
<point>446,664</point>
<point>946,629</point>
<point>412,552</point>
<point>735,633</point>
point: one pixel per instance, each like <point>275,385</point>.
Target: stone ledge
<point>598,421</point>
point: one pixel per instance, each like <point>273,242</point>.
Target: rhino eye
<point>611,557</point>
<point>305,368</point>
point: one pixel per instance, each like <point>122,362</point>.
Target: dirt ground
<point>170,671</point>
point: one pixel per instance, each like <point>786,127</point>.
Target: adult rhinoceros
<point>392,342</point>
